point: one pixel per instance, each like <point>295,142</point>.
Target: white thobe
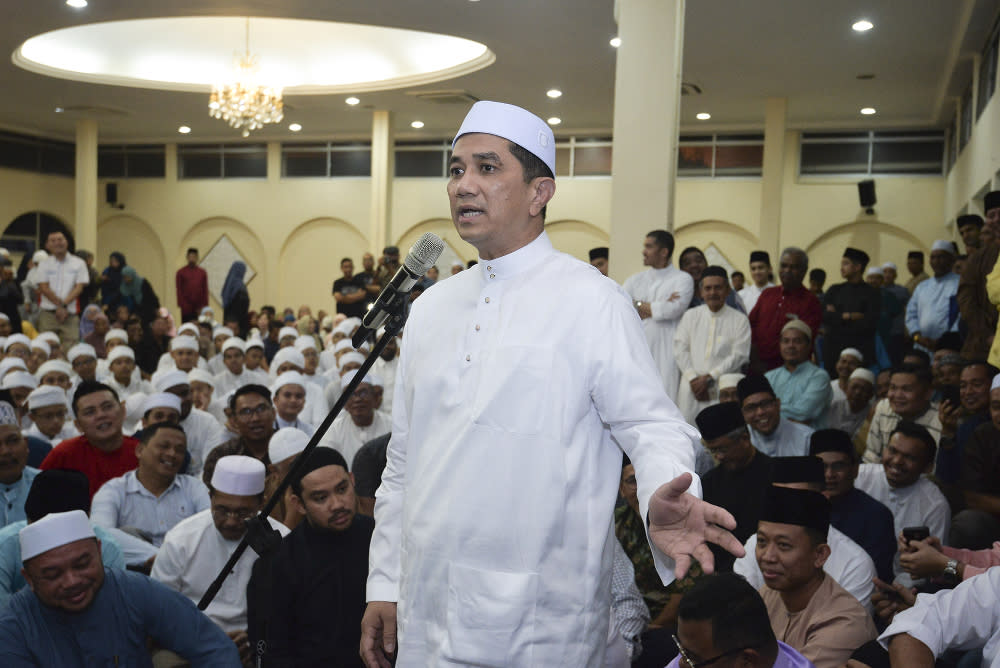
<point>386,370</point>
<point>227,381</point>
<point>166,361</point>
<point>708,343</point>
<point>848,564</point>
<point>135,386</point>
<point>494,518</point>
<point>751,293</point>
<point>347,438</point>
<point>656,286</point>
<point>69,430</point>
<point>203,433</point>
<point>790,439</point>
<point>920,504</point>
<point>191,557</point>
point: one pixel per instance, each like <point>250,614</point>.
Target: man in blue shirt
<point>803,388</point>
<point>15,474</point>
<point>933,309</point>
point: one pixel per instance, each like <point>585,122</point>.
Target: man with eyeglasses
<point>770,433</point>
<point>83,358</point>
<point>361,422</point>
<point>253,416</point>
<point>195,550</point>
<point>722,621</point>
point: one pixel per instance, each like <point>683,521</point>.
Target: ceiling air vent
<point>462,97</point>
<point>688,88</point>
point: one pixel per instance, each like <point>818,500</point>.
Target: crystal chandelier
<point>244,103</point>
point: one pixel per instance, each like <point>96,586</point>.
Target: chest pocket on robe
<point>513,389</point>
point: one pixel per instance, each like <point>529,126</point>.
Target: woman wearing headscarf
<point>99,327</point>
<point>87,320</point>
<point>236,299</point>
<point>111,280</point>
<point>136,293</point>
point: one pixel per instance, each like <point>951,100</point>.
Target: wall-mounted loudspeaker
<point>111,193</point>
<point>866,195</point>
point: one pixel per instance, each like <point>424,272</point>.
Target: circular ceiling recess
<point>304,57</point>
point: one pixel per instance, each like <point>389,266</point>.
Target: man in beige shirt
<point>808,609</point>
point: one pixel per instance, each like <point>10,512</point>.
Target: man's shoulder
<point>188,528</point>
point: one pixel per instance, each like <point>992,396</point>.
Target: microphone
<point>422,256</point>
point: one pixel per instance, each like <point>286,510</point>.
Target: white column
<point>773,175</point>
<point>647,110</point>
<point>85,227</point>
<point>383,172</point>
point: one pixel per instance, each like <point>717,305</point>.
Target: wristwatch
<point>950,572</point>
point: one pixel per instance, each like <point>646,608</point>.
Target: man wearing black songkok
<point>851,311</point>
<point>599,259</point>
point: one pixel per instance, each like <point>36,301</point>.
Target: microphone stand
<point>260,536</point>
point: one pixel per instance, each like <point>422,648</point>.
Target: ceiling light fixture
<point>294,127</point>
<point>862,26</point>
<point>555,120</point>
<point>554,93</point>
<point>416,125</point>
<point>77,4</point>
<point>703,116</point>
<point>59,110</point>
<point>615,42</point>
<point>244,103</point>
<point>184,130</point>
<point>352,101</point>
<point>868,111</point>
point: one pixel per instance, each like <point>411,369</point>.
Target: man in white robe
<point>711,340</point>
<point>760,278</point>
<point>661,295</point>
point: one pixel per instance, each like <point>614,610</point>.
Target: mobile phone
<point>916,533</point>
<point>950,393</point>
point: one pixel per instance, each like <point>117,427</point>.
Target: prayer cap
<point>116,334</point>
<point>51,337</point>
<point>595,253</point>
<point>304,343</point>
<point>800,326</point>
<point>54,366</point>
<point>254,342</point>
<point>797,469</point>
<point>754,384</point>
<point>852,352</point>
<point>915,255</point>
<point>801,507</point>
<point>996,382</point>
<point>730,380</point>
<point>864,374</point>
<point>57,491</point>
<point>327,323</point>
<point>222,331</point>
<point>287,331</point>
<point>119,352</point>
<point>188,327</point>
<point>46,395</point>
<point>234,342</point>
<point>52,531</point>
<point>889,265</point>
<point>856,256</point>
<point>289,354</point>
<point>8,415</point>
<point>760,256</point>
<point>161,400</point>
<point>81,350</point>
<point>346,379</point>
<point>991,200</point>
<point>39,256</point>
<point>288,378</point>
<point>715,270</point>
<point>239,475</point>
<point>874,271</point>
<point>347,358</point>
<point>831,440</point>
<point>164,379</point>
<point>343,344</point>
<point>4,317</point>
<point>969,219</point>
<point>952,359</point>
<point>286,442</point>
<point>19,379</point>
<point>16,338</point>
<point>319,458</point>
<point>201,376</point>
<point>514,124</point>
<point>38,344</point>
<point>943,245</point>
<point>11,363</point>
<point>720,419</point>
<point>184,343</point>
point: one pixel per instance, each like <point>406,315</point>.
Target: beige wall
<point>976,170</point>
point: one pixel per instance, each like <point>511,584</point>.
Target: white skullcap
<point>364,348</point>
<point>201,376</point>
<point>19,379</point>
<point>51,337</point>
<point>864,374</point>
<point>345,327</point>
<point>289,354</point>
<point>889,265</point>
<point>133,408</point>
<point>304,343</point>
<point>343,344</point>
<point>996,382</point>
<point>346,379</point>
<point>81,350</point>
<point>874,271</point>
<point>286,442</point>
<point>376,379</point>
<point>46,395</point>
<point>38,344</point>
<point>116,334</point>
<point>458,263</point>
<point>222,331</point>
<point>730,380</point>
<point>288,378</point>
<point>8,415</point>
<point>514,124</point>
<point>54,366</point>
<point>183,343</point>
<point>164,379</point>
<point>8,364</point>
<point>943,245</point>
<point>326,323</point>
<point>188,327</point>
<point>800,326</point>
<point>119,352</point>
<point>234,342</point>
<point>254,342</point>
<point>161,400</point>
<point>853,352</point>
<point>16,338</point>
<point>347,358</point>
<point>239,475</point>
<point>39,256</point>
<point>287,331</point>
<point>52,531</point>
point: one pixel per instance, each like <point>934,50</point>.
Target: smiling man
<point>803,388</point>
<point>910,392</point>
<point>15,474</point>
<point>770,433</point>
<point>360,422</point>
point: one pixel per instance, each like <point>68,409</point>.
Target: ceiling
<point>738,52</point>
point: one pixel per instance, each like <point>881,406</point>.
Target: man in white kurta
<point>517,384</point>
<point>760,278</point>
<point>711,340</point>
<point>661,294</point>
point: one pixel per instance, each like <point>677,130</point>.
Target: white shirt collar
<point>521,260</point>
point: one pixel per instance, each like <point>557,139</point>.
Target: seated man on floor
<point>849,412</point>
<point>15,474</point>
<point>977,526</point>
<point>360,422</point>
<point>770,433</point>
<point>803,388</point>
<point>909,399</point>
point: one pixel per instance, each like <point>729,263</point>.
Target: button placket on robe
<point>485,316</point>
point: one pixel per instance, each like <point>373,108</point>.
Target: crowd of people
<point>847,438</point>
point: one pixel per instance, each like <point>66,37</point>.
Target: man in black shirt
<point>851,311</point>
<point>349,293</point>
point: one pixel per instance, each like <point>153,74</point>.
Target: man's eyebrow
<point>489,155</point>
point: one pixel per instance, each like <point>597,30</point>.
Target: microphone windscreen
<point>424,253</point>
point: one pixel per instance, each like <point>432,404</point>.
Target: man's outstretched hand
<point>681,525</point>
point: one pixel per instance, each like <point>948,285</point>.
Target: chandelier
<point>244,103</point>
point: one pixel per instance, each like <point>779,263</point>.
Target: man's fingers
<point>675,487</point>
<point>720,516</point>
<point>682,563</point>
<point>725,540</point>
<point>705,558</point>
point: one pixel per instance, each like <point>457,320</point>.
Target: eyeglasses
<point>707,662</point>
<point>247,413</point>
<point>221,513</point>
<point>760,405</point>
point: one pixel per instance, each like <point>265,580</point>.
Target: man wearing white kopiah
<point>517,384</point>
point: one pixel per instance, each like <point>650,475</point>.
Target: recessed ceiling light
<point>294,127</point>
<point>417,125</point>
<point>555,120</point>
<point>59,110</point>
<point>77,4</point>
<point>862,26</point>
<point>703,116</point>
<point>184,130</point>
<point>352,101</point>
<point>615,42</point>
<point>868,111</point>
<point>865,77</point>
<point>554,93</point>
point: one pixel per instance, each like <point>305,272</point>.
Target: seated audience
<point>367,467</point>
<point>770,433</point>
<point>219,336</point>
<point>203,431</point>
<point>849,411</point>
<point>728,387</point>
<point>960,418</point>
<point>121,374</point>
<point>15,474</point>
<point>83,358</point>
<point>253,417</point>
<point>203,394</point>
<point>284,446</point>
<point>289,391</point>
<point>234,374</point>
<point>849,360</point>
<point>290,359</point>
<point>977,526</point>
<point>306,345</point>
<point>48,410</point>
<point>802,387</point>
<point>184,351</point>
<point>928,558</point>
<point>910,400</point>
<point>360,423</point>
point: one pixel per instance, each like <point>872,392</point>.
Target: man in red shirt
<point>102,451</point>
<point>192,287</point>
<point>779,305</point>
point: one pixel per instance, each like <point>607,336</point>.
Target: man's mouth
<point>469,212</point>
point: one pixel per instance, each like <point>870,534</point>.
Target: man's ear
<point>543,189</point>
